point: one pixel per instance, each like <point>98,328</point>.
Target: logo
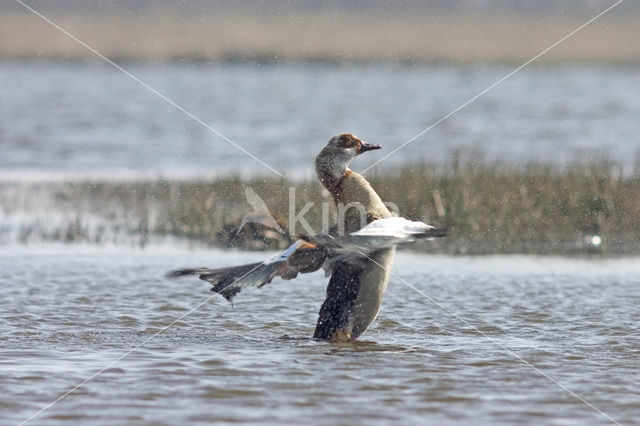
<point>260,213</point>
<point>263,216</point>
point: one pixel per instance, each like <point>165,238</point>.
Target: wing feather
<point>377,235</point>
<point>310,253</point>
<point>301,256</point>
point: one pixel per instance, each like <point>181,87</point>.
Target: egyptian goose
<point>358,252</point>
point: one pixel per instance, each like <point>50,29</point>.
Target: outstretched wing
<point>377,235</point>
<point>299,257</point>
<point>230,281</point>
<point>310,253</point>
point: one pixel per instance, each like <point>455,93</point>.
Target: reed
<point>537,209</point>
<point>489,208</point>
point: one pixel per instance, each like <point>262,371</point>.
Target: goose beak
<point>368,147</point>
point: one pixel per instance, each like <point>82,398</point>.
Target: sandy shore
<point>320,37</point>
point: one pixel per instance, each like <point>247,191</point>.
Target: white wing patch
<point>397,227</point>
<point>379,234</point>
<point>285,254</point>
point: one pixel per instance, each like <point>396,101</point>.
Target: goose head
<point>333,161</point>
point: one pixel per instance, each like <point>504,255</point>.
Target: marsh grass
<point>489,208</point>
<point>536,209</point>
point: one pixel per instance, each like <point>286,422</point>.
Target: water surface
<point>68,311</point>
<point>83,119</point>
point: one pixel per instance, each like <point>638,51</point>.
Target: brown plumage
<point>359,260</point>
<point>355,290</point>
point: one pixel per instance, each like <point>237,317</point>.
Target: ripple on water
<point>254,361</point>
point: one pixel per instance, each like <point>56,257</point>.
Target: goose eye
<point>348,141</point>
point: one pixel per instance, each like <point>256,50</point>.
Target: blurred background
<point>112,173</point>
<point>279,78</point>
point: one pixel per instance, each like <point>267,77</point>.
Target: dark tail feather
<point>230,281</point>
<point>435,233</point>
<point>183,272</point>
<point>225,280</point>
